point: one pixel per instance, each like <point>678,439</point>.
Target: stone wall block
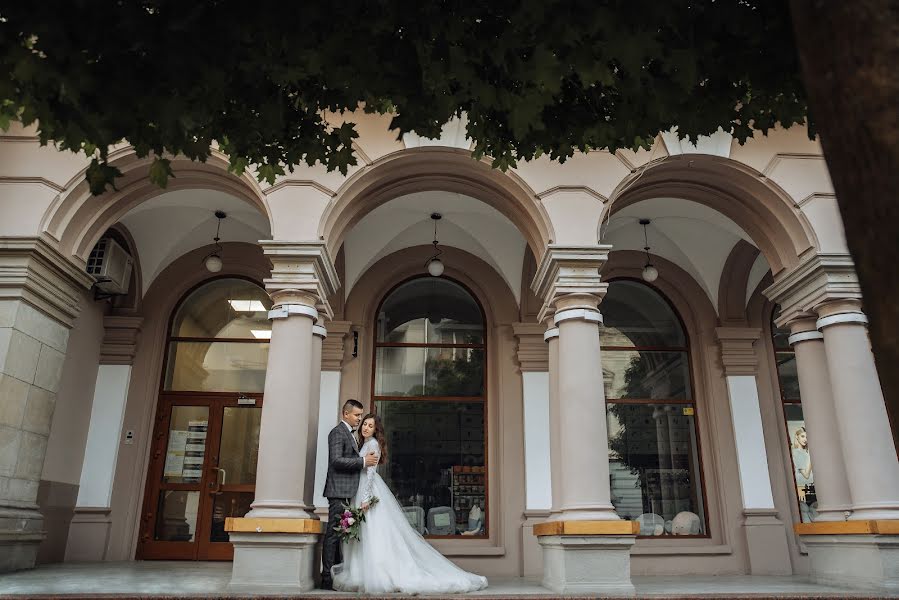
<point>8,309</point>
<point>49,369</point>
<point>23,490</point>
<point>19,354</point>
<point>41,327</point>
<point>9,449</point>
<point>31,456</point>
<point>13,397</point>
<point>39,411</point>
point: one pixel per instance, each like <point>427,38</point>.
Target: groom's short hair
<point>351,404</point>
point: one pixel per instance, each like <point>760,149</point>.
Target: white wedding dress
<point>391,556</point>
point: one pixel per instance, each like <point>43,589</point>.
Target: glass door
<point>202,470</point>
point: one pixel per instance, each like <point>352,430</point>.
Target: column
<point>274,544</point>
<point>584,440</point>
<point>861,418</point>
<point>831,486</point>
<point>284,431</point>
<point>39,301</point>
<point>586,546</point>
<point>766,538</point>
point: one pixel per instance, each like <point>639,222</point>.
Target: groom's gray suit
<point>344,467</point>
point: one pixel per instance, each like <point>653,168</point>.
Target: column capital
<point>34,271</point>
<point>302,273</point>
<point>120,336</point>
<point>568,277</point>
<point>737,352</point>
<point>533,353</point>
<point>332,346</point>
<point>819,279</point>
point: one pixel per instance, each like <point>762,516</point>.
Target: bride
<point>391,556</point>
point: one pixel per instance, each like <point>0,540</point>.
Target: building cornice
<point>304,268</point>
<point>738,356</point>
<point>34,271</point>
<point>533,352</point>
<point>332,346</point>
<point>120,340</point>
<point>569,270</point>
<point>819,279</point>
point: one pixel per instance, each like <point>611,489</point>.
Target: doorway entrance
<point>202,466</point>
<point>202,470</point>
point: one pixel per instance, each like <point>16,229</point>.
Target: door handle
<point>219,481</point>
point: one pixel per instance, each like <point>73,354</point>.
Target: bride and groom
<point>391,556</point>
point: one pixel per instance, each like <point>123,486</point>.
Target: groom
<point>344,467</point>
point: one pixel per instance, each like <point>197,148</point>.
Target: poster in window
<point>802,470</point>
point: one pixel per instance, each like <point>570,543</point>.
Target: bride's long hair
<point>378,434</point>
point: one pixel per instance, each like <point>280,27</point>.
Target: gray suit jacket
<point>344,464</point>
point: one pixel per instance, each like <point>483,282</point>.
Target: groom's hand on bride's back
<point>371,460</point>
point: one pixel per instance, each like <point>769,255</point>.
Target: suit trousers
<point>331,553</point>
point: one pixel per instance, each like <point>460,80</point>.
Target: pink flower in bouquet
<point>347,525</point>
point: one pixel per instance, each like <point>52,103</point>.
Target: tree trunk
<point>850,61</point>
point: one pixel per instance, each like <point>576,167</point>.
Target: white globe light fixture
<point>213,260</point>
<point>213,264</point>
<point>650,273</point>
<point>435,265</point>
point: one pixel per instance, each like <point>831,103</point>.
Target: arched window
<point>797,438</point>
<point>429,388</point>
<point>218,341</point>
<point>656,476</point>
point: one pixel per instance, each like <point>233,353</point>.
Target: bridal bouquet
<point>351,520</point>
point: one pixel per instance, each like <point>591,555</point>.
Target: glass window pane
<point>224,308</point>
<point>436,464</point>
<point>216,366</point>
<point>228,504</point>
<point>654,467</point>
<point>803,476</point>
<point>430,310</point>
<point>646,374</point>
<point>186,448</point>
<point>239,447</point>
<point>786,371</point>
<point>177,521</point>
<point>636,315</point>
<point>403,371</point>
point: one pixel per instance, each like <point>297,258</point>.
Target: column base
<point>766,541</point>
<point>587,557</point>
<point>274,556</point>
<point>840,556</point>
<point>21,534</point>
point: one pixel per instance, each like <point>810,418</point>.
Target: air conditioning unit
<point>110,264</point>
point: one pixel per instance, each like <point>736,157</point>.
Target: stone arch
<point>734,281</point>
<point>77,219</point>
<point>430,169</point>
<point>765,211</point>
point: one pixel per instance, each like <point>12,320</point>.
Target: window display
<point>655,471</point>
<point>428,383</point>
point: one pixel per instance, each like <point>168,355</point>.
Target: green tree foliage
<point>533,76</point>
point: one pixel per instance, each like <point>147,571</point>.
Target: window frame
<point>692,401</point>
<point>169,339</point>
<point>375,398</point>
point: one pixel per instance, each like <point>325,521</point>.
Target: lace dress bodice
<point>371,445</point>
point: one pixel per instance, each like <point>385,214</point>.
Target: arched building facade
<point>547,397</point>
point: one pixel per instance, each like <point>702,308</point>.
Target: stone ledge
<point>587,528</point>
<point>875,527</point>
<point>244,525</point>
